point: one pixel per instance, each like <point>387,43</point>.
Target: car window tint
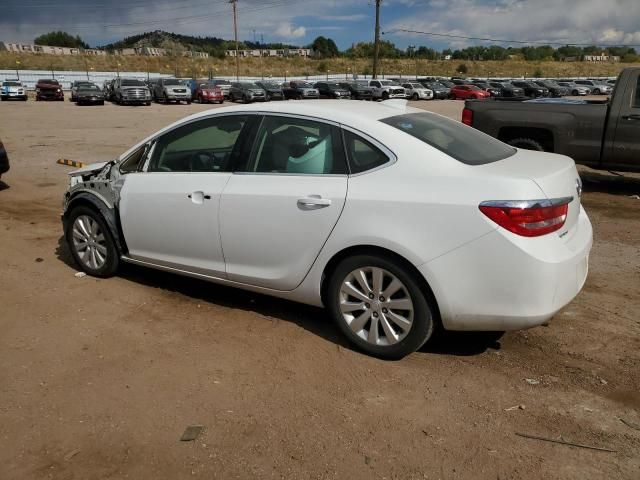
<point>293,145</point>
<point>201,146</point>
<point>463,143</point>
<point>362,154</point>
<point>636,103</point>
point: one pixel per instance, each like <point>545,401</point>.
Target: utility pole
<point>376,45</point>
<point>235,32</point>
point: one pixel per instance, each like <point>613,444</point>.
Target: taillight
<point>529,218</point>
<point>467,116</point>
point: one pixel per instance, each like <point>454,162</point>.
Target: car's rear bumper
<point>504,282</point>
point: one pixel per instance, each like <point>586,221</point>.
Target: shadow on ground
<point>312,319</point>
<point>607,182</point>
<point>3,186</point>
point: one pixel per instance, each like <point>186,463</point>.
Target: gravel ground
<point>99,378</point>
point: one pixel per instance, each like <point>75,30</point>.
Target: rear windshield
<point>463,143</point>
<point>132,83</point>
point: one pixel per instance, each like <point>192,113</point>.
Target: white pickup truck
<point>385,89</point>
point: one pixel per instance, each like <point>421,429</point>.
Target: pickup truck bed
<point>600,134</point>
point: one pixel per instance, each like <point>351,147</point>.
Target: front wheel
<point>415,96</point>
<point>91,243</point>
<point>379,306</point>
<point>596,92</point>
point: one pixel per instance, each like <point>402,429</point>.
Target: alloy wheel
<point>89,242</point>
<point>376,306</point>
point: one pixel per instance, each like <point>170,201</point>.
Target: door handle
<point>198,197</point>
<point>313,202</point>
<point>631,117</point>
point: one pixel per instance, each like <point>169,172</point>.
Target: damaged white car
<point>395,219</point>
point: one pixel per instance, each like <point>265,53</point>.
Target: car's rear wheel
<point>527,144</point>
<point>91,243</point>
<point>379,306</point>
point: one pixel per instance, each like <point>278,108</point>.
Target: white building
<point>282,52</point>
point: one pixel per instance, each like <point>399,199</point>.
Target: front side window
<point>201,146</point>
<point>463,143</point>
<point>299,146</point>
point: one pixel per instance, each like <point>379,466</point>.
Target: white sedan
<point>394,219</point>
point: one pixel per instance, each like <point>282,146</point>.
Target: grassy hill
<point>187,67</point>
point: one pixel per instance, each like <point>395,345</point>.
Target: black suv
<point>555,89</point>
<point>357,90</point>
<point>507,89</point>
<point>531,89</point>
<point>272,89</point>
<point>332,90</point>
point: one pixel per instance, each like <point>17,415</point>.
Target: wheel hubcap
<point>89,242</point>
<point>376,305</point>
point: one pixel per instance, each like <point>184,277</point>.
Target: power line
<point>521,42</point>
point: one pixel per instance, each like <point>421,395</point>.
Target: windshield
<point>11,84</point>
<point>303,85</point>
<point>132,83</point>
<point>249,85</point>
<point>463,143</point>
<point>335,86</point>
<point>49,82</point>
<point>386,82</point>
<point>416,85</point>
<point>207,86</point>
<point>172,81</point>
<point>93,88</point>
<point>270,85</point>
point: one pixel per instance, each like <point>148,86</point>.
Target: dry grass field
<point>187,67</point>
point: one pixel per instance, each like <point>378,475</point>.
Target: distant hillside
<point>173,41</point>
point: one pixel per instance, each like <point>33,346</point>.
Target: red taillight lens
<point>528,219</point>
<point>467,117</point>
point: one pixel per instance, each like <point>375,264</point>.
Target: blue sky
<point>346,21</point>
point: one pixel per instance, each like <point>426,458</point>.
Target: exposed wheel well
<point>542,136</point>
<point>385,253</point>
<point>110,216</point>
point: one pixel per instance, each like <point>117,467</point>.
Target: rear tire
<point>91,243</point>
<point>527,144</point>
<point>383,327</point>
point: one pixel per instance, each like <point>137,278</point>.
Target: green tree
<point>462,68</point>
<point>325,47</point>
<point>60,39</point>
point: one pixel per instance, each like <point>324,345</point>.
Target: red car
<point>208,93</point>
<point>465,92</point>
<point>47,89</point>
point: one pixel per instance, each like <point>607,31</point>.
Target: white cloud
<point>562,21</point>
<point>287,30</point>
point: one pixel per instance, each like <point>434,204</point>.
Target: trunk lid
<point>555,175</point>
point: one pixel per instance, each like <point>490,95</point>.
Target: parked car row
<point>131,91</point>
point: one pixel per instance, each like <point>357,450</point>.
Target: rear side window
<point>362,154</point>
<point>463,143</point>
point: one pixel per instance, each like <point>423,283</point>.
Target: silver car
<point>575,89</point>
<point>597,87</point>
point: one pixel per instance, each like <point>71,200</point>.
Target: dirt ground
<point>99,378</point>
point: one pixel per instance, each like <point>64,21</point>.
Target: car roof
<point>358,115</point>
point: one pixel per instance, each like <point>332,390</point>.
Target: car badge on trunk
<point>579,187</point>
